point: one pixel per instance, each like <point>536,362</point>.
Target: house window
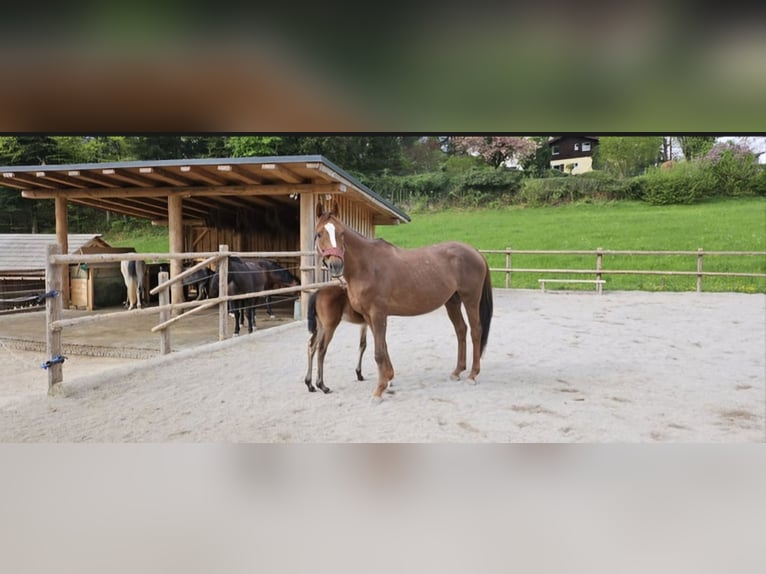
<point>555,150</point>
<point>577,147</point>
<point>585,146</point>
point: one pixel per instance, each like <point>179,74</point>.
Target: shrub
<point>734,168</point>
<point>759,182</point>
<point>406,189</point>
<point>686,182</point>
<point>590,185</point>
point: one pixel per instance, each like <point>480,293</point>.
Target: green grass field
<point>148,240</point>
<point>727,225</point>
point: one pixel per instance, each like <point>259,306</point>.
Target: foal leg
<point>312,347</point>
<point>324,342</point>
<point>453,310</point>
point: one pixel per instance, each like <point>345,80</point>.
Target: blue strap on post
<point>40,298</point>
<point>55,360</point>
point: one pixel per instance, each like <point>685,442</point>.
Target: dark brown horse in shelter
<point>384,280</point>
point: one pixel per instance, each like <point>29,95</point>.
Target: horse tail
<point>311,313</point>
<point>485,308</point>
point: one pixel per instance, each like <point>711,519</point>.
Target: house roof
<point>26,251</point>
<point>141,188</point>
<point>553,139</point>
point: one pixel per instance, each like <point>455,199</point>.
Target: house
<point>572,154</point>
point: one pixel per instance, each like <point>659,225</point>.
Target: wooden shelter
<point>22,268</point>
<point>249,204</point>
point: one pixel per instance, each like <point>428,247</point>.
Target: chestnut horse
<point>325,310</point>
<point>384,280</point>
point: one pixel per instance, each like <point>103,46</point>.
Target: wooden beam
<point>93,177</point>
<point>118,207</point>
<point>176,244</point>
<point>241,174</point>
<point>129,177</point>
<point>164,175</point>
<point>10,179</point>
<point>189,191</point>
<point>62,179</point>
<point>187,222</point>
<point>54,281</point>
<point>308,263</point>
<point>62,238</point>
<point>197,173</point>
<point>283,172</point>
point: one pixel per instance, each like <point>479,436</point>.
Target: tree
<point>250,146</point>
<point>174,147</point>
<point>422,153</point>
<point>539,162</point>
<point>628,156</point>
<point>27,150</point>
<point>496,150</point>
<point>370,155</point>
<point>695,146</point>
<point>734,166</point>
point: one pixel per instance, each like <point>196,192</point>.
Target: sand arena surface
<point>562,367</point>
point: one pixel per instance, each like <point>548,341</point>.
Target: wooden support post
<point>508,267</point>
<point>599,266</point>
<point>223,291</point>
<point>176,244</point>
<point>308,263</point>
<point>700,253</point>
<point>164,295</point>
<point>62,238</point>
<point>53,306</point>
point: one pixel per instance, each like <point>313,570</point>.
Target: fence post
<point>53,306</point>
<point>507,267</point>
<point>699,269</point>
<point>599,264</point>
<point>223,291</point>
<point>164,297</point>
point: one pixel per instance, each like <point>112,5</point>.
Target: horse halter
<point>334,250</point>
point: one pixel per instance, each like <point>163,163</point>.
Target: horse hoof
<point>359,376</point>
<point>312,389</point>
<point>471,381</point>
<point>454,377</point>
<point>376,400</point>
<point>272,317</point>
<point>326,390</point>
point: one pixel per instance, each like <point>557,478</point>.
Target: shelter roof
<point>140,188</point>
<point>26,251</point>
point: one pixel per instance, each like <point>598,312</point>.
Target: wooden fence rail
<point>599,271</point>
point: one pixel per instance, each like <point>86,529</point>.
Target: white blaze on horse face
<point>331,231</point>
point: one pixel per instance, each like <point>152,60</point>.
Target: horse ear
<point>335,210</point>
